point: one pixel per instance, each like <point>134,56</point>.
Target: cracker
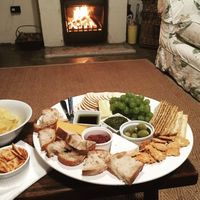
<point>183,142</point>
<point>145,158</point>
<point>183,128</point>
<point>156,154</point>
<point>170,121</point>
<point>159,146</point>
<point>167,138</point>
<point>173,151</point>
<point>158,140</point>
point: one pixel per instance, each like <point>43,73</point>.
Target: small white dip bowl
<point>128,125</point>
<point>98,132</point>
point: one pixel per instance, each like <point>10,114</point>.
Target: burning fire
<point>82,18</point>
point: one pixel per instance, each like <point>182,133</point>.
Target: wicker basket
<point>28,40</point>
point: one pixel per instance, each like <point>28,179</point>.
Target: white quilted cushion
<point>184,10</point>
<point>191,34</point>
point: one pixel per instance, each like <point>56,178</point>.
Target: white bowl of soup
<point>14,114</point>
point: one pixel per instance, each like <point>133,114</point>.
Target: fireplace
<point>53,27</point>
<point>84,21</point>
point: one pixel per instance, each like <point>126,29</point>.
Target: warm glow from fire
<point>81,18</point>
<point>81,12</point>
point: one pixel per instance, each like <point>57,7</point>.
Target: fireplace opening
<point>84,21</point>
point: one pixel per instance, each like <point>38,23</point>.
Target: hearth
<point>84,21</point>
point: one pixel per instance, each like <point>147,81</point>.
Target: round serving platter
<point>149,172</point>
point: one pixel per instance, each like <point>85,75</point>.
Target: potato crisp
<point>8,121</point>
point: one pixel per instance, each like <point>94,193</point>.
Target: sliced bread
<point>46,136</point>
<point>96,162</point>
<point>56,147</point>
<point>81,145</point>
<point>125,167</point>
<point>48,118</point>
<point>72,158</point>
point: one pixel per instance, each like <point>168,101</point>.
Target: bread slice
<point>46,136</point>
<point>61,134</point>
<point>48,118</point>
<point>78,143</point>
<point>72,158</point>
<point>96,162</point>
<point>56,147</point>
<point>125,167</point>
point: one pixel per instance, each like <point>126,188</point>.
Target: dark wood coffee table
<point>56,185</point>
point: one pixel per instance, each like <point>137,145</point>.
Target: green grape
<point>137,101</point>
<point>136,110</point>
<point>140,97</point>
<point>140,117</point>
<point>150,114</point>
<point>147,101</point>
<point>147,119</point>
<point>112,107</point>
<point>113,99</point>
<point>126,100</point>
<point>126,110</point>
<point>142,108</point>
<point>122,98</point>
<point>147,109</point>
<point>132,106</point>
<point>129,94</point>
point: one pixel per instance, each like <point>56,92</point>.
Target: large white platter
<point>149,172</point>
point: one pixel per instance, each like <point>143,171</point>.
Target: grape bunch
<point>135,107</point>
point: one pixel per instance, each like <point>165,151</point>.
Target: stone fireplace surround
<point>51,22</point>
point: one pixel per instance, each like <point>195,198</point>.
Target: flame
<point>81,18</point>
<point>80,13</point>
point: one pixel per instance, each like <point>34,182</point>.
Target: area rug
<point>92,50</point>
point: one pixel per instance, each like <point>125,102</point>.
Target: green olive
<point>142,133</point>
<point>127,134</point>
<point>132,129</point>
<point>134,135</point>
<point>141,126</point>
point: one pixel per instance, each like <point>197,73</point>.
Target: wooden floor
<point>10,56</point>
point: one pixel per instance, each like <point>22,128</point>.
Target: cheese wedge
<point>104,108</point>
<point>71,128</point>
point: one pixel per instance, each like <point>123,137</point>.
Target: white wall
<point>117,21</point>
<point>9,23</point>
<point>51,22</point>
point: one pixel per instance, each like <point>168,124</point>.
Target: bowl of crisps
<point>14,114</point>
<point>13,160</point>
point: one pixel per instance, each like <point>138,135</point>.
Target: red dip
<point>99,138</point>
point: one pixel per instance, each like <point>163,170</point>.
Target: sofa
<point>178,54</point>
